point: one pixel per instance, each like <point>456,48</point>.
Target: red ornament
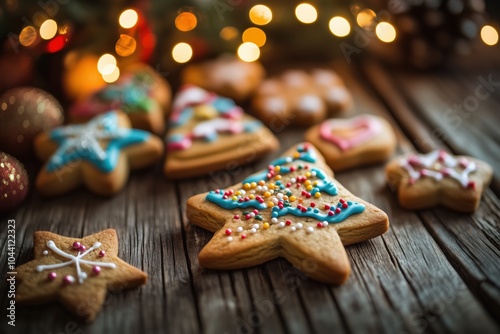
<point>13,182</point>
<point>24,113</point>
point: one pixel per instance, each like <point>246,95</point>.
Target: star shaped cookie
<point>75,272</point>
<point>438,178</point>
<point>209,133</point>
<point>295,209</point>
<point>300,98</point>
<point>98,154</point>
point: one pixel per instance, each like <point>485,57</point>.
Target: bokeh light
<point>366,18</point>
<point>48,29</point>
<point>128,18</point>
<point>186,21</point>
<point>489,35</point>
<point>27,36</point>
<point>260,15</point>
<point>306,13</point>
<point>113,76</point>
<point>125,46</point>
<point>339,26</point>
<point>106,64</point>
<point>182,52</point>
<point>385,32</point>
<point>248,52</point>
<point>254,35</point>
<point>229,33</point>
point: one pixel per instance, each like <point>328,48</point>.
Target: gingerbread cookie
<point>76,272</point>
<point>98,154</point>
<point>226,75</point>
<point>300,98</point>
<point>209,133</point>
<point>439,178</point>
<point>347,143</point>
<point>141,93</point>
<point>295,209</point>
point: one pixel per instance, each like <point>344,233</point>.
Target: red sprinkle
<point>236,217</point>
<point>338,210</point>
<point>256,211</point>
<point>342,200</point>
<point>243,236</point>
<point>247,216</point>
<point>331,213</point>
<point>471,185</point>
<point>228,231</point>
<point>312,204</point>
<point>288,222</point>
<point>308,195</point>
<point>327,207</point>
<point>319,225</point>
<point>345,205</point>
<point>224,197</point>
<point>303,209</point>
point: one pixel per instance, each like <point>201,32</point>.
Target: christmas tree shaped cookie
<point>76,272</point>
<point>439,178</point>
<point>209,133</point>
<point>295,209</point>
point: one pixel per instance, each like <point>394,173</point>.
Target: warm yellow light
<point>128,18</point>
<point>182,52</point>
<point>306,13</point>
<point>27,36</point>
<point>186,21</point>
<point>113,76</point>
<point>106,64</point>
<point>339,26</point>
<point>254,35</point>
<point>228,33</point>
<point>48,29</point>
<point>366,18</point>
<point>248,52</point>
<point>260,15</point>
<point>385,32</point>
<point>125,46</point>
<point>489,35</point>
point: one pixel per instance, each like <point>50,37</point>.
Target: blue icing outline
<point>81,142</point>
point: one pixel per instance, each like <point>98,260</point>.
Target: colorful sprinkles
<point>296,196</point>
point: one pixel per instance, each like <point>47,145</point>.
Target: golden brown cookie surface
<point>209,133</point>
<point>295,210</point>
<point>300,98</point>
<point>352,142</point>
<point>438,178</point>
<point>76,272</point>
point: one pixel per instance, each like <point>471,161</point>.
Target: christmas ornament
<point>420,33</point>
<point>25,112</point>
<point>13,182</point>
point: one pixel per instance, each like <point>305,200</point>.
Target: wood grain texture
<point>434,271</point>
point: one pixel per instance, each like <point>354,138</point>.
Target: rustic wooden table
<point>434,271</point>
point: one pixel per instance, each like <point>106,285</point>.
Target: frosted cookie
<point>294,209</point>
<point>98,154</point>
<point>226,75</point>
<point>75,272</point>
<point>140,92</point>
<point>208,133</point>
<point>357,141</point>
<point>438,178</point>
<point>300,98</point>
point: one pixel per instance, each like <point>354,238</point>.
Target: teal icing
<point>229,204</point>
<point>353,208</point>
<point>184,116</point>
<point>252,126</point>
<point>81,142</point>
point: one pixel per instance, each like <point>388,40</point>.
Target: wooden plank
<point>473,254</point>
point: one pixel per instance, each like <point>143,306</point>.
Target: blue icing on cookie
<point>230,204</point>
<point>252,126</point>
<point>185,115</point>
<point>81,142</point>
<point>353,208</point>
<point>223,105</point>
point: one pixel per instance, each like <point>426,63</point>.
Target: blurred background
<point>73,47</point>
